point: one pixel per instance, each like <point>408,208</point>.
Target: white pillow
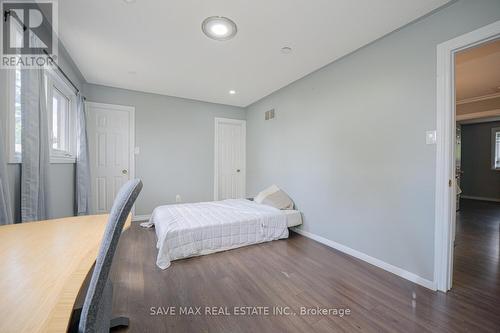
<point>263,194</point>
<point>278,200</point>
<point>274,197</point>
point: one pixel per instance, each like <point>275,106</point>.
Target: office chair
<point>96,311</point>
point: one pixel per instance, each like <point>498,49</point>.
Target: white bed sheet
<point>194,229</point>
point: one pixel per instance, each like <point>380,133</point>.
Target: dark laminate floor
<point>477,254</point>
<point>300,272</point>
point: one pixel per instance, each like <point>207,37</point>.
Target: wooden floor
<point>299,272</point>
<point>477,254</point>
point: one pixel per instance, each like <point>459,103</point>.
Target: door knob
<point>124,171</point>
<point>238,170</point>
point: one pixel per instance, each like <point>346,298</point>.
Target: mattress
<point>194,229</point>
<point>293,217</point>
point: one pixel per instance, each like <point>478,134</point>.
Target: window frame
<point>494,158</point>
<point>54,81</point>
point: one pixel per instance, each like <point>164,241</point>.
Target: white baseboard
<point>136,218</point>
<point>471,197</point>
<point>371,260</point>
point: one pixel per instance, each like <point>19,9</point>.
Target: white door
<point>110,135</point>
<point>230,162</point>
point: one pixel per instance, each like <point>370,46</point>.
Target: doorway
<point>446,163</point>
<point>476,245</point>
<point>230,158</point>
<point>111,144</point>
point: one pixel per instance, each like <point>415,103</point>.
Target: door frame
<point>218,121</point>
<point>445,214</point>
<point>131,112</point>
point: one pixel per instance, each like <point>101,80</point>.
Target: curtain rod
<point>62,72</point>
<point>8,13</point>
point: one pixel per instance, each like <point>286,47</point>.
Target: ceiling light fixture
<point>219,28</point>
<point>232,92</point>
<point>286,50</point>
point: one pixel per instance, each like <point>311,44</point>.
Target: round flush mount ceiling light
<point>232,92</point>
<point>219,28</point>
<point>286,50</point>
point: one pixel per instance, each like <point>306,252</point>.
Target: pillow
<point>278,200</point>
<point>274,197</point>
<point>263,194</point>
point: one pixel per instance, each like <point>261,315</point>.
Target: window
<point>61,105</point>
<point>13,100</point>
<point>61,108</point>
<point>495,148</point>
<point>17,112</point>
<point>14,116</point>
<point>60,123</point>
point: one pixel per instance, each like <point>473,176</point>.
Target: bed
<point>187,230</point>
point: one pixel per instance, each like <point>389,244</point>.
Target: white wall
<point>176,141</point>
<point>348,141</point>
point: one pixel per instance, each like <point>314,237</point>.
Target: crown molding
<point>478,99</point>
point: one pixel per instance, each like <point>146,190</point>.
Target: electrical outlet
<point>178,198</point>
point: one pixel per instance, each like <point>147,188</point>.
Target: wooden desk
<point>42,267</point>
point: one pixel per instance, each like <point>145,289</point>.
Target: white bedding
<point>293,217</point>
<point>194,229</point>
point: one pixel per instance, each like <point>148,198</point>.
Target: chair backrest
<point>119,212</point>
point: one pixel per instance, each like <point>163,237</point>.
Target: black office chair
<point>96,311</point>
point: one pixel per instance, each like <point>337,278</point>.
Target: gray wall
<point>61,184</point>
<point>479,180</point>
<point>176,141</point>
<point>348,141</point>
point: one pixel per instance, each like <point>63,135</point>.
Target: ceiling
<point>477,71</point>
<point>158,46</point>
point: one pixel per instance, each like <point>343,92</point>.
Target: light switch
<point>430,137</point>
<point>136,151</point>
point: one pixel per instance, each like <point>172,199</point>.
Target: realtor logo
<point>29,36</point>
